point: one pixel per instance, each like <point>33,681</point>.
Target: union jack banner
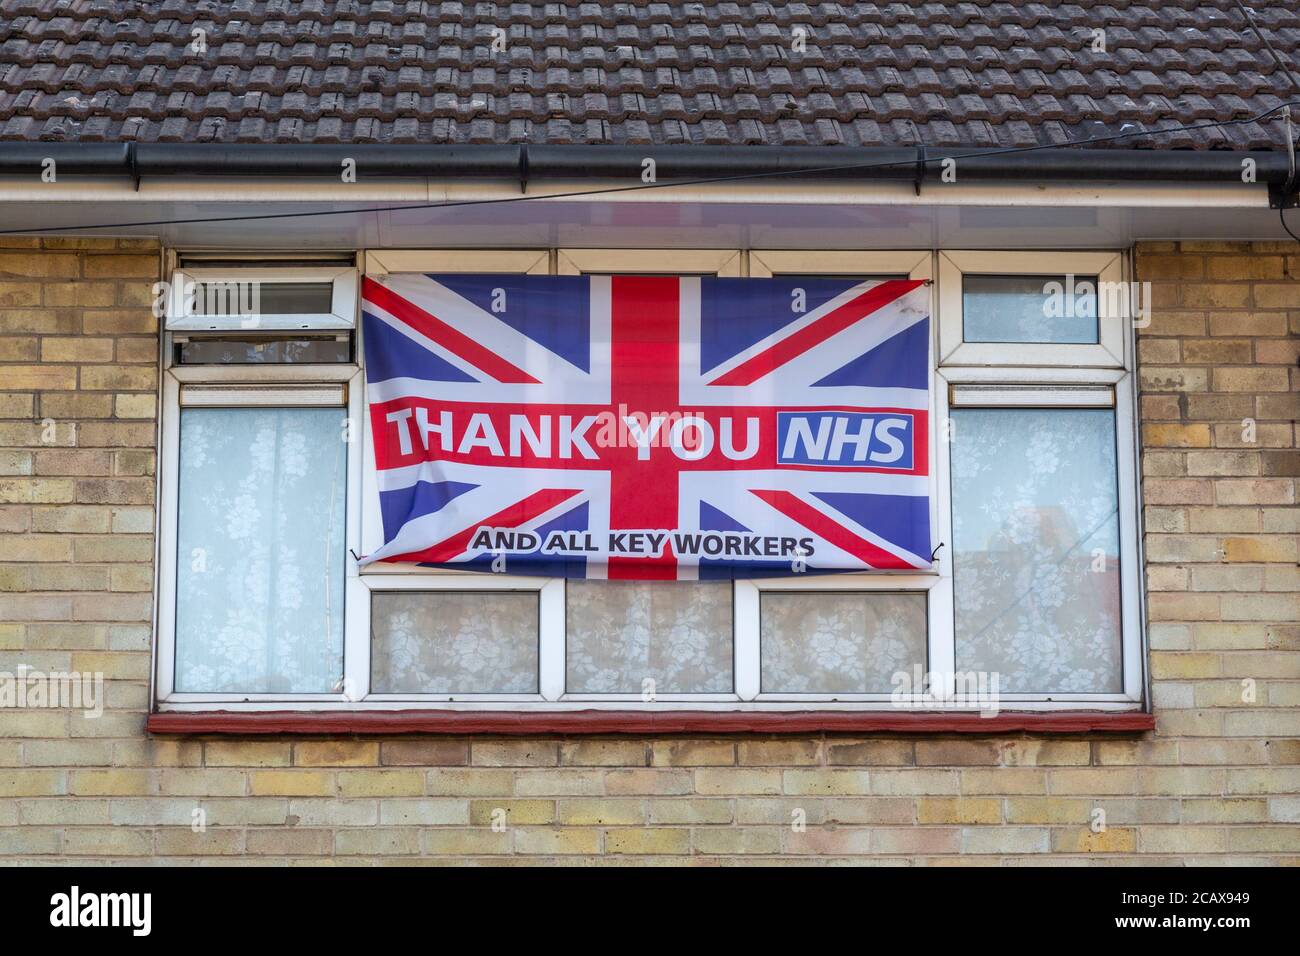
<point>649,427</point>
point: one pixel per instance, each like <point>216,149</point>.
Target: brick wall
<point>1218,780</point>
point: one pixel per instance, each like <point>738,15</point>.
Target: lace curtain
<point>454,642</point>
<point>1036,548</point>
<point>675,633</point>
<point>260,546</point>
<point>839,643</point>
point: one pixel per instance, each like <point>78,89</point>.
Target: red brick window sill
<point>640,722</point>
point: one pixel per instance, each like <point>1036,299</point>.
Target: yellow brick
<point>135,406</point>
<point>246,753</point>
<point>106,841</point>
<point>40,377</point>
<point>826,782</point>
<point>76,349</point>
<point>651,840</point>
<point>1110,840</point>
<point>39,265</point>
<point>1093,780</point>
<point>712,780</point>
<point>121,267</point>
<point>1175,436</point>
<point>113,783</point>
<point>1049,810</point>
<point>214,841</point>
<point>603,753</point>
<point>460,843</point>
<point>118,378</point>
<point>1260,549</point>
<point>381,783</point>
<point>336,753</point>
<point>735,841</point>
<point>1045,753</point>
<point>656,782</point>
<point>1182,839</point>
<point>601,812</point>
<point>777,753</point>
<point>120,322</point>
<point>377,842</point>
<point>556,842</point>
<point>1183,666</point>
<point>511,812</point>
<point>684,810</point>
<point>958,810</point>
<point>693,753</point>
<point>30,783</point>
<point>291,783</point>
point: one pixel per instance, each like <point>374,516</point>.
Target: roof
<point>974,74</point>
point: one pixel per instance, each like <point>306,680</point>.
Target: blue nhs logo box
<point>844,439</point>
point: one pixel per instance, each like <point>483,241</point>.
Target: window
<point>1032,309</point>
<point>260,295</point>
<point>1039,459</point>
<point>259,493</point>
<point>266,505</point>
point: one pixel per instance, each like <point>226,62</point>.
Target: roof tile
<point>975,73</point>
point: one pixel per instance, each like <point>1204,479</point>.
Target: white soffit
<point>764,214</point>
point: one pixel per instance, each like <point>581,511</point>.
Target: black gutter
<point>524,164</point>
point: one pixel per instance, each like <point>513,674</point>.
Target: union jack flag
<point>650,427</point>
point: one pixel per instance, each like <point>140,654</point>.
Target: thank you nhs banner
<point>650,427</point>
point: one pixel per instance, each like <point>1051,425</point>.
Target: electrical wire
<point>1281,64</point>
<point>669,184</point>
<point>1281,215</point>
<point>1290,74</point>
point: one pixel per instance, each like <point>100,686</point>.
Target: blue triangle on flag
<point>711,519</point>
<point>390,354</point>
<point>553,311</point>
<point>400,505</point>
<point>903,520</point>
<point>737,313</point>
<point>901,361</point>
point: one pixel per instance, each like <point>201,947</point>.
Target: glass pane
<point>1036,548</point>
<point>264,351</point>
<point>844,642</point>
<point>454,642</point>
<point>260,545</point>
<point>624,633</point>
<point>245,297</point>
<point>1041,308</point>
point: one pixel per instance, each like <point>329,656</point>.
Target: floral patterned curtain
<point>454,642</point>
<point>260,547</point>
<point>1036,548</point>
<point>675,633</point>
<point>839,643</point>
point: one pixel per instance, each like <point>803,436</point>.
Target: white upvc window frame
<point>342,315</point>
<point>1003,382</point>
<point>280,386</point>
<point>1110,349</point>
<point>1052,375</point>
